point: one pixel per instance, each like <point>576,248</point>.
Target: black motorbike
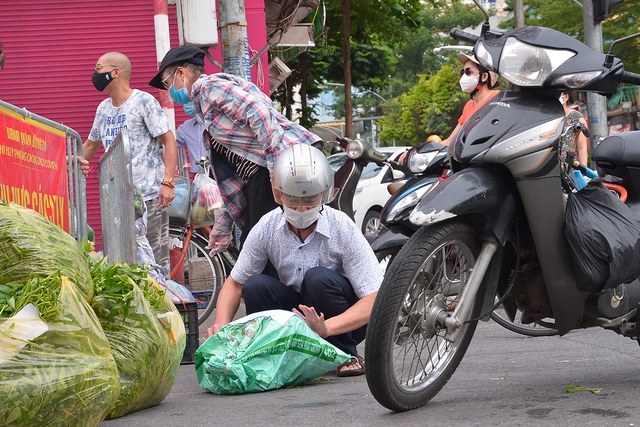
<point>496,227</point>
<point>430,164</point>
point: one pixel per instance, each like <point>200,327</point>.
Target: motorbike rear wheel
<point>533,330</point>
<point>408,359</point>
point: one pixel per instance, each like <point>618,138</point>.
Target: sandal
<point>355,360</point>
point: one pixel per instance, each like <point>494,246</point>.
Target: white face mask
<point>301,220</point>
<point>468,83</point>
<point>561,99</point>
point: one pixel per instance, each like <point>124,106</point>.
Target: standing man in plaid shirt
<point>246,132</point>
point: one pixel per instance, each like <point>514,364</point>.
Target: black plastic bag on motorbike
<point>604,235</point>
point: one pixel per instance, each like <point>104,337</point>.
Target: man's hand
<point>314,321</point>
<point>218,242</point>
<point>84,166</point>
<point>212,331</point>
<point>165,196</point>
<point>403,158</point>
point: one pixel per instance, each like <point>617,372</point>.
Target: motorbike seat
<point>622,149</point>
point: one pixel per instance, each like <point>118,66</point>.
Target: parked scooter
<point>429,162</point>
<point>496,227</point>
<point>345,180</point>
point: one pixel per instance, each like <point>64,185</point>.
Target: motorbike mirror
<point>608,62</point>
<point>397,174</point>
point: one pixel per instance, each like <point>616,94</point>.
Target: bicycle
<point>191,265</point>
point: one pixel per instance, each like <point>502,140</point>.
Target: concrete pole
<point>163,44</point>
<point>233,33</point>
<point>596,104</point>
<point>518,13</point>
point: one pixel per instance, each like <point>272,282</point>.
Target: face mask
<point>190,109</point>
<point>301,220</point>
<point>468,83</point>
<point>561,99</point>
<point>180,96</point>
<point>101,80</point>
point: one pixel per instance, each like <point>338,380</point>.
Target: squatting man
<point>328,273</point>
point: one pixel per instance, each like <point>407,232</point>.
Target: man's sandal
<point>341,370</point>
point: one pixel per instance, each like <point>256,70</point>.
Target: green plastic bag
<point>264,351</point>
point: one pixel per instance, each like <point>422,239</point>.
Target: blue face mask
<point>190,109</point>
<point>180,96</point>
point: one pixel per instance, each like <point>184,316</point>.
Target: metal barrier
<point>117,201</point>
<point>77,182</point>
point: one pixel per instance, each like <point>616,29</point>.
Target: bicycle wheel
<point>201,274</point>
<point>408,358</point>
<point>532,329</point>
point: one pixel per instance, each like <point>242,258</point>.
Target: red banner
<point>34,167</point>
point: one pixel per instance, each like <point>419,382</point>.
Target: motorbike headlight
<point>526,65</point>
<point>577,80</point>
<point>417,162</point>
<point>409,200</point>
<point>355,149</point>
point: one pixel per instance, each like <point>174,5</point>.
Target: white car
<point>371,192</point>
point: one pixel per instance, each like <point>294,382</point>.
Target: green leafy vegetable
<point>64,377</point>
<point>31,246</point>
<point>144,329</point>
<point>574,388</point>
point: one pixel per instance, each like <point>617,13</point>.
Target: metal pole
<point>235,44</point>
<point>596,104</point>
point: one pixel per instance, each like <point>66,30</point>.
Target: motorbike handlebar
<point>463,36</point>
<point>629,77</point>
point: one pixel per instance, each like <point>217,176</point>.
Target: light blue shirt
<point>189,136</point>
<point>336,244</point>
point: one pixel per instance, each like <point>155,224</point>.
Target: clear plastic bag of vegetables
<point>31,246</point>
<point>56,367</point>
<point>145,330</point>
<point>205,200</point>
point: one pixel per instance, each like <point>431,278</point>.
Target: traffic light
<point>601,9</point>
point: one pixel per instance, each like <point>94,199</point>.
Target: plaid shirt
<point>242,118</point>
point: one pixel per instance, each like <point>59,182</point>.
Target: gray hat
<point>177,55</point>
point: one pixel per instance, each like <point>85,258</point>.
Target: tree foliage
<point>430,107</point>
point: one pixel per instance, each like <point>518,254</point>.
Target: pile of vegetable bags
<point>57,365</point>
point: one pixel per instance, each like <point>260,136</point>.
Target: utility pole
<point>596,104</point>
<point>518,13</point>
<point>235,44</point>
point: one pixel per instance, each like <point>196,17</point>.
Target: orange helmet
<point>434,138</point>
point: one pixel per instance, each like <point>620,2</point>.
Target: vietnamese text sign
<point>34,168</point>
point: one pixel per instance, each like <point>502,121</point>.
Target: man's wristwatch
<point>169,182</point>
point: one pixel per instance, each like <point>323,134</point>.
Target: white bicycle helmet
<point>302,171</point>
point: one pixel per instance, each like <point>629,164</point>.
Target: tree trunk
<point>288,103</point>
<point>304,78</point>
<point>346,53</point>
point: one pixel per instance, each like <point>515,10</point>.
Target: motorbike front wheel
<point>408,359</point>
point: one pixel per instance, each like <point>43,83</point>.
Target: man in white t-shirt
<point>328,273</point>
<point>149,131</point>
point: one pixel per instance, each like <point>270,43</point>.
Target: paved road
<point>505,380</point>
